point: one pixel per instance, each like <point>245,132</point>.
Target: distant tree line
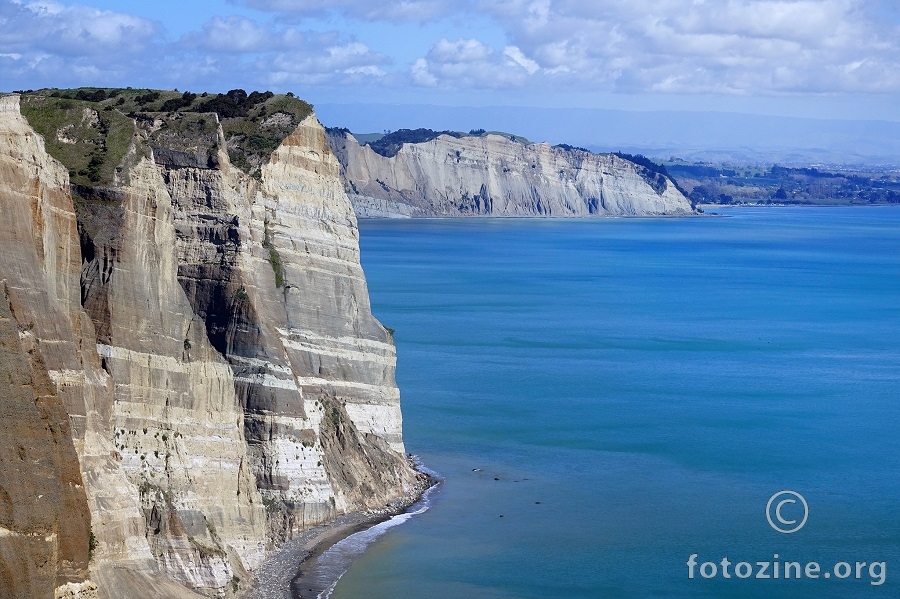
<point>389,144</point>
<point>84,95</point>
<point>661,174</point>
<point>235,104</point>
<point>569,148</point>
<point>785,185</point>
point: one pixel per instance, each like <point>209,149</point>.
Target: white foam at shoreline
<point>337,559</point>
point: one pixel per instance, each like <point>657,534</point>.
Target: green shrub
<point>274,257</point>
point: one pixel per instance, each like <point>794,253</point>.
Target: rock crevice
<point>192,373</point>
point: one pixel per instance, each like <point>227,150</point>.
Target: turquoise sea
<point>629,392</point>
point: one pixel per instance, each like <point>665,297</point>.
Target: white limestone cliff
<point>493,175</point>
<point>209,379</point>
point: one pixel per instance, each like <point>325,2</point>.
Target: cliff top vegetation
<point>90,130</point>
<point>710,183</point>
<point>389,143</point>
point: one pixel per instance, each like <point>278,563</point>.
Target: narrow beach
<point>291,572</point>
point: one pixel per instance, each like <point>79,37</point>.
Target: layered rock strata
<point>493,175</point>
<point>191,372</point>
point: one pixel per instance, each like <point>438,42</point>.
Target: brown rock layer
<point>191,372</point>
<point>45,521</point>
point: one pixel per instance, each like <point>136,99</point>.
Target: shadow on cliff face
<point>361,464</point>
<point>145,253</point>
<point>44,515</point>
<point>100,214</point>
<point>216,290</point>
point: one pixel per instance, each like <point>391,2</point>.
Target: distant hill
<point>724,184</point>
<point>692,136</point>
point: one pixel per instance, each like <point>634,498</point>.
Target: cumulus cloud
<point>375,10</point>
<point>349,62</point>
<point>46,43</point>
<point>282,56</point>
<point>530,66</point>
<point>44,26</point>
<point>43,43</point>
<point>739,47</point>
<point>240,35</point>
<point>717,46</point>
<point>230,34</point>
<point>421,75</point>
<point>471,63</point>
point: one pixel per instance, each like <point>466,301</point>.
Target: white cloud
<point>230,34</point>
<point>375,10</point>
<point>46,43</point>
<point>460,51</point>
<point>43,43</point>
<point>719,46</point>
<point>284,56</point>
<point>421,75</point>
<point>71,30</point>
<point>350,62</point>
<point>738,47</point>
<point>471,63</point>
<point>530,66</point>
<point>240,35</point>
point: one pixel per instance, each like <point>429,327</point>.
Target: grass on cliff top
<point>90,139</point>
<point>389,143</point>
<point>509,136</point>
<point>90,130</point>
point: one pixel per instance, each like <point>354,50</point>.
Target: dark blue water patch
<point>639,388</point>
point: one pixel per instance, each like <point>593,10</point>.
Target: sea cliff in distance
<point>191,373</point>
<point>423,173</point>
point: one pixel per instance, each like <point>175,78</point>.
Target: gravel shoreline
<point>284,574</point>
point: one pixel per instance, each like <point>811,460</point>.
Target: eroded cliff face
<point>52,392</point>
<point>492,175</point>
<point>177,423</point>
<point>273,268</point>
<point>191,372</point>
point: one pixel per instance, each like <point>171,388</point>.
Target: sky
<point>828,59</point>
